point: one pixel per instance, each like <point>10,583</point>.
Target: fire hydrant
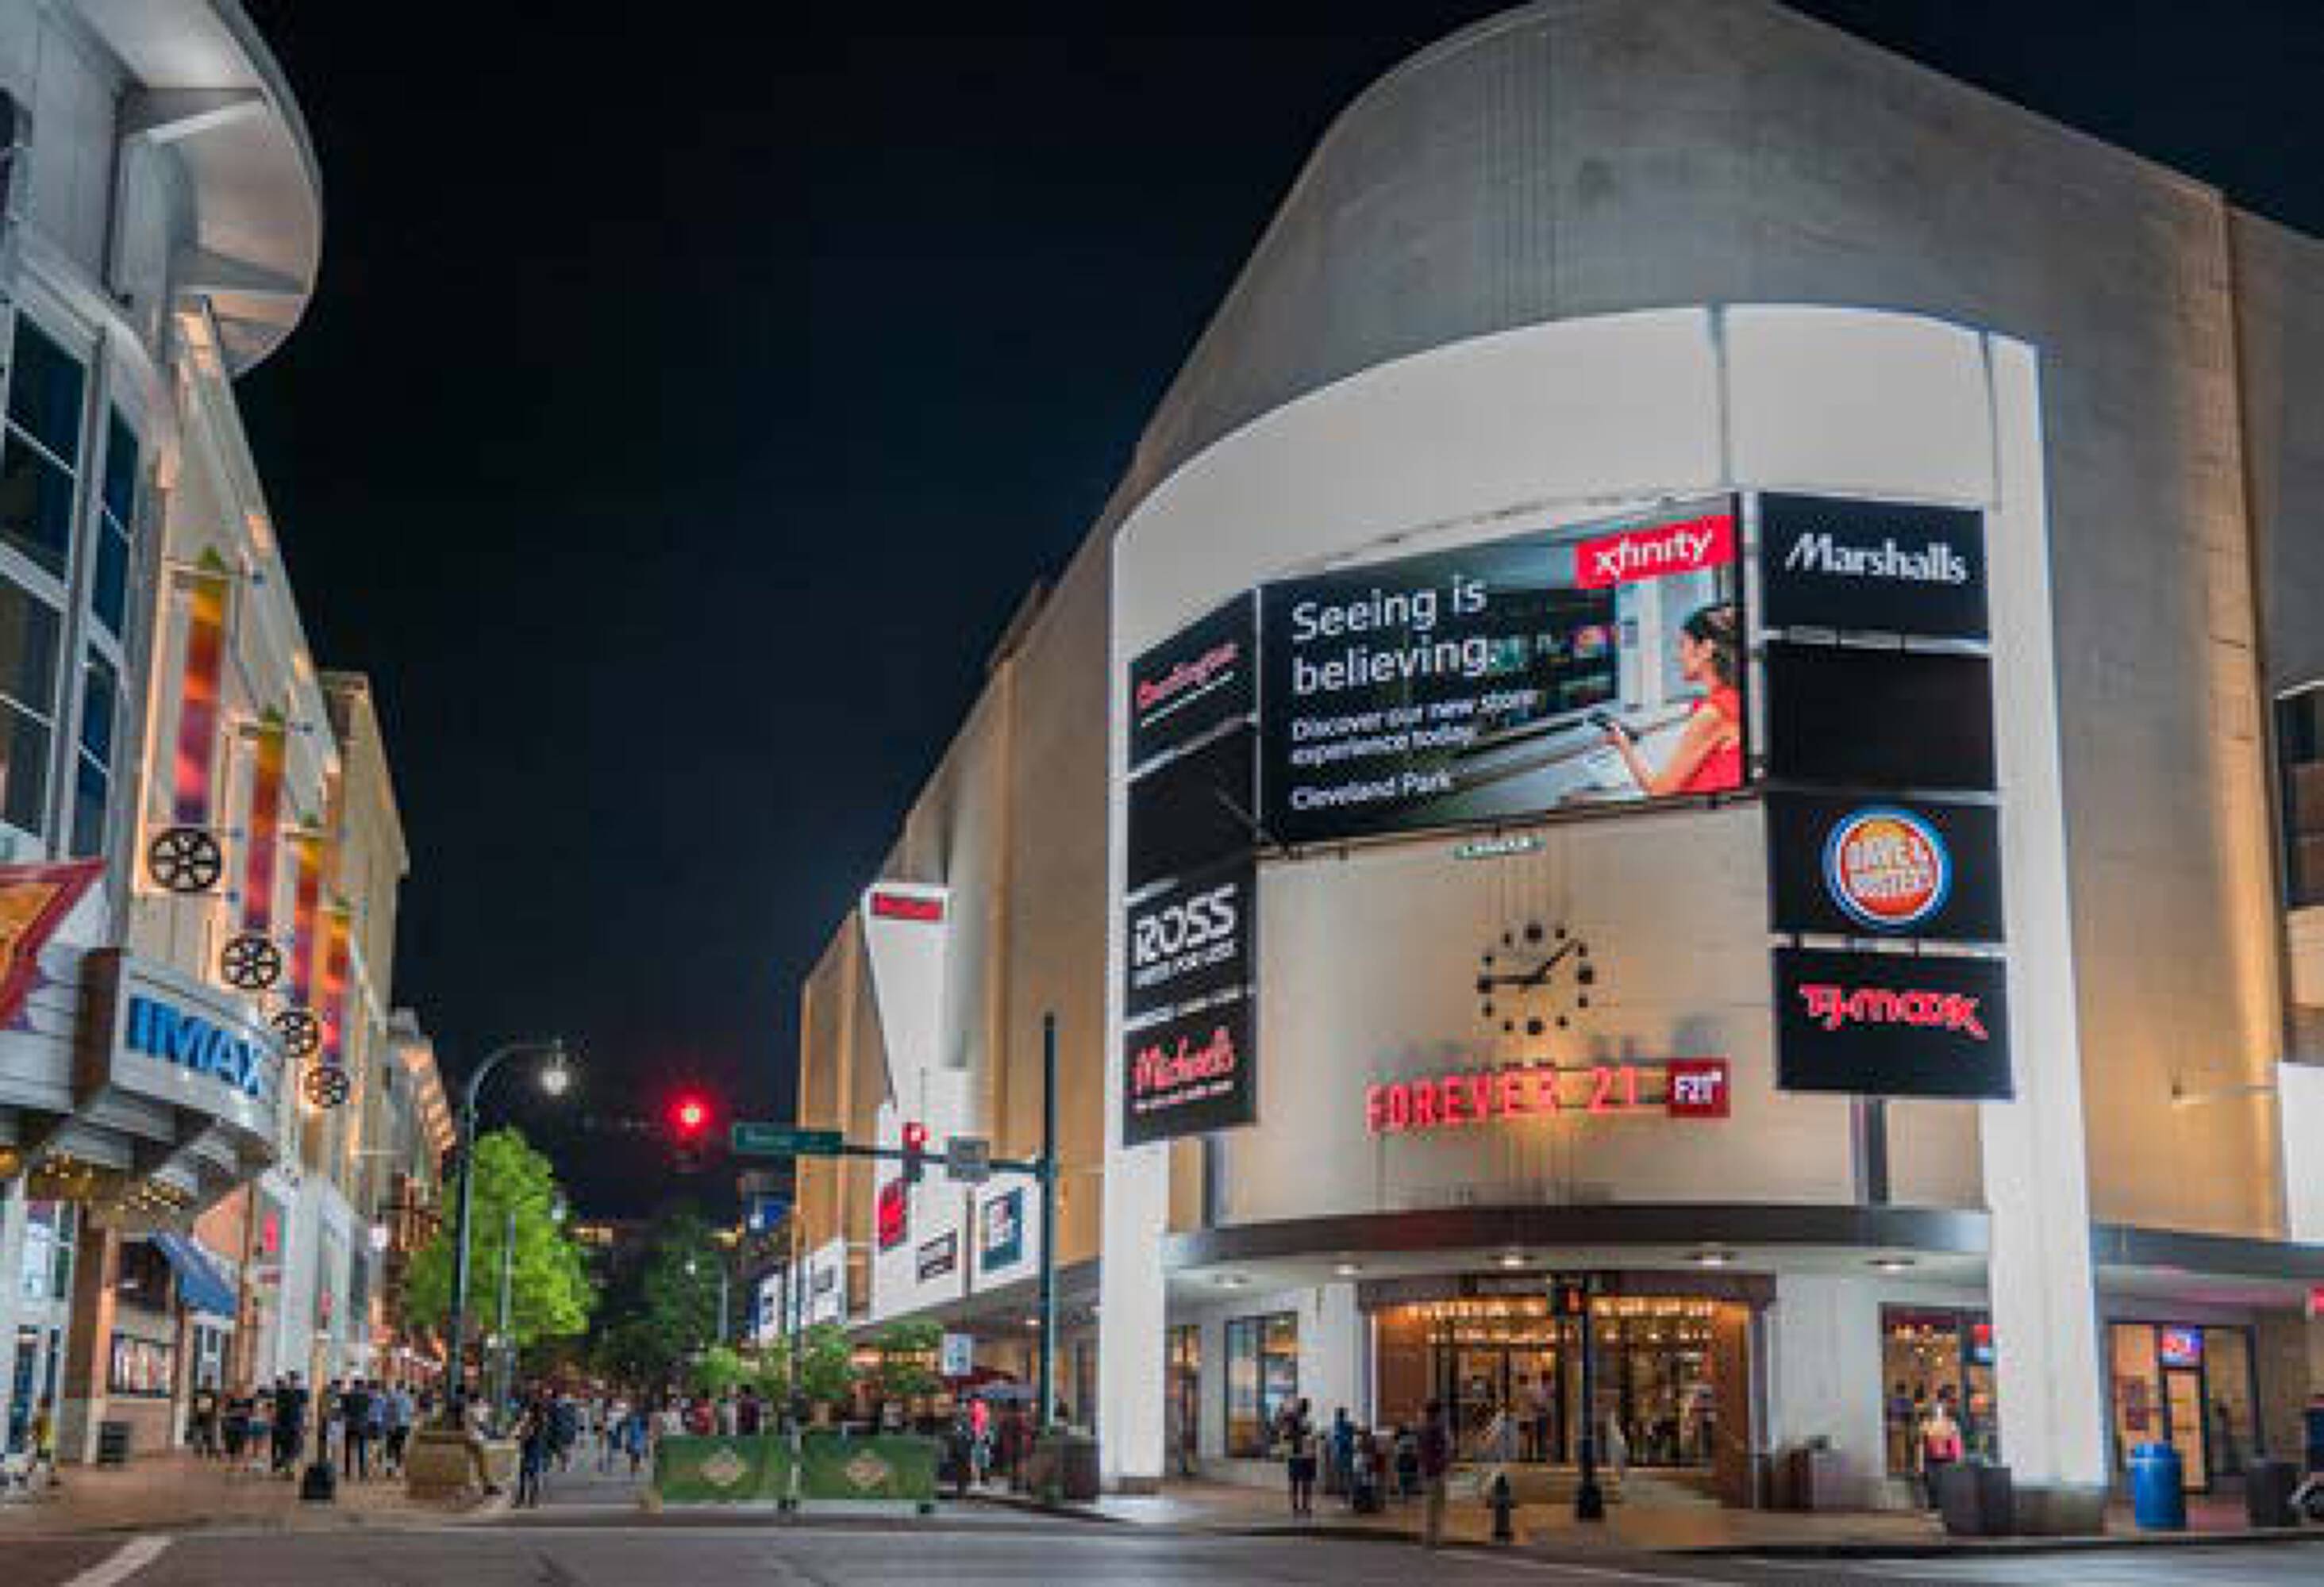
<point>1504,1506</point>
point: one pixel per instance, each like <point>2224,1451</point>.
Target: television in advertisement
<point>1193,811</point>
<point>1871,566</point>
<point>1890,1024</point>
<point>1190,939</point>
<point>2180,1346</point>
<point>1842,716</point>
<point>1203,676</point>
<point>1883,866</point>
<point>1189,1072</point>
<point>1585,666</point>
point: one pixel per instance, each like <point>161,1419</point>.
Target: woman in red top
<point>1709,756</point>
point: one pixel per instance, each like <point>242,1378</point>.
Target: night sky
<point>686,406</point>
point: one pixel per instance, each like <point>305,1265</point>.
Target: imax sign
<point>188,1039</point>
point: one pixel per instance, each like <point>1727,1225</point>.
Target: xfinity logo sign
<point>1636,554</point>
<point>1888,568</point>
<point>188,1039</point>
<point>1936,564</point>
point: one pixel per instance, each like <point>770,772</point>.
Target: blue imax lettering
<point>193,1043</point>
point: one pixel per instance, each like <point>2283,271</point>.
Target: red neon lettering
<point>1375,1108</point>
<point>1834,1007</point>
<point>1424,1106</point>
<point>1451,1095</point>
<point>1508,1093</point>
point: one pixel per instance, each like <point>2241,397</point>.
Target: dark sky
<point>687,404</point>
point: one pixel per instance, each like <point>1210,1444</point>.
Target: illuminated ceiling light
<point>1348,1269</point>
<point>1712,1256</point>
<point>1892,1264</point>
<point>1513,1259</point>
<point>1232,1280</point>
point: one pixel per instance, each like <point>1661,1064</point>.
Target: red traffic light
<point>689,1116</point>
<point>916,1136</point>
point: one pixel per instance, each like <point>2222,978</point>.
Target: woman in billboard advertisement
<point>1708,757</point>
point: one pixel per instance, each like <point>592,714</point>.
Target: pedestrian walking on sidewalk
<point>536,1438</point>
<point>355,1437</point>
<point>1436,1469</point>
<point>44,1442</point>
<point>1296,1437</point>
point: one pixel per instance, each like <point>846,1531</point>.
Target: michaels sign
<point>191,1040</point>
<point>1886,567</point>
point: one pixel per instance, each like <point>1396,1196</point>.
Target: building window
<point>1931,1356</point>
<point>28,686</point>
<point>2299,752</point>
<point>116,520</point>
<point>40,455</point>
<point>100,706</point>
<point>2187,1386</point>
<point>1262,1379</point>
<point>142,1367</point>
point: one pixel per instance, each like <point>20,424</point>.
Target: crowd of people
<point>363,1426</point>
<point>1367,1468</point>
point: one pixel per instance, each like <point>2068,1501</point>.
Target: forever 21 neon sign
<point>1678,1087</point>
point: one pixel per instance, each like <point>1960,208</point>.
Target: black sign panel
<point>939,1256</point>
<point>1886,1024</point>
<point>1190,939</point>
<point>1192,812</point>
<point>1189,683</point>
<point>1487,683</point>
<point>1845,716</point>
<point>1190,1073</point>
<point>1879,867</point>
<point>1876,565</point>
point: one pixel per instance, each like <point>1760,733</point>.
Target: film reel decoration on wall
<point>185,859</point>
<point>301,1031</point>
<point>1519,989</point>
<point>250,962</point>
<point>325,1085</point>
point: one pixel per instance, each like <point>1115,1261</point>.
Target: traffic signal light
<point>916,1150</point>
<point>689,1118</point>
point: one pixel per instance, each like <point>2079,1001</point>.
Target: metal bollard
<point>1504,1506</point>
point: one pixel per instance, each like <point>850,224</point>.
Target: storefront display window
<point>1263,1379</point>
<point>145,1368</point>
<point>2188,1386</point>
<point>1184,1402</point>
<point>2299,752</point>
<point>1931,1356</point>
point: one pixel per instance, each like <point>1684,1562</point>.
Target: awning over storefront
<point>200,1285</point>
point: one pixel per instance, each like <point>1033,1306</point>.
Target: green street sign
<point>785,1141</point>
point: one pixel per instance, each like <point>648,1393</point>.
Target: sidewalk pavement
<point>181,1492</point>
<point>1632,1528</point>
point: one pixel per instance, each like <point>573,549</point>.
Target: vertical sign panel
<point>198,705</point>
<point>262,854</point>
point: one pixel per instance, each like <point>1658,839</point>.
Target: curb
<point>1996,1547</point>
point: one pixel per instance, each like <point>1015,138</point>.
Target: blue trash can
<point>2158,1489</point>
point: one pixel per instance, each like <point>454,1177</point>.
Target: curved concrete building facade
<point>1589,271</point>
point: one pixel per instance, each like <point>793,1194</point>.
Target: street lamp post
<point>555,1077</point>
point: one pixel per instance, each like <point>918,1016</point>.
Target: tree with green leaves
<point>908,1358</point>
<point>668,1305</point>
<point>550,1295</point>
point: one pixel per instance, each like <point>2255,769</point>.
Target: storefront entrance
<point>2187,1386</point>
<point>1510,1373</point>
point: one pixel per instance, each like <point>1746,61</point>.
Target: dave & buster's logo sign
<point>1887,1024</point>
<point>1843,866</point>
<point>1885,566</point>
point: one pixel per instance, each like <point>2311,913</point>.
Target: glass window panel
<point>121,460</point>
<point>44,390</point>
<point>109,592</point>
<point>92,793</point>
<point>28,650</point>
<point>23,768</point>
<point>100,702</point>
<point>36,504</point>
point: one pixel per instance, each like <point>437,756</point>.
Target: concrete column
<point>11,1289</point>
<point>1334,1370</point>
<point>1824,1355</point>
<point>1131,1425</point>
<point>81,1399</point>
<point>2036,1165</point>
